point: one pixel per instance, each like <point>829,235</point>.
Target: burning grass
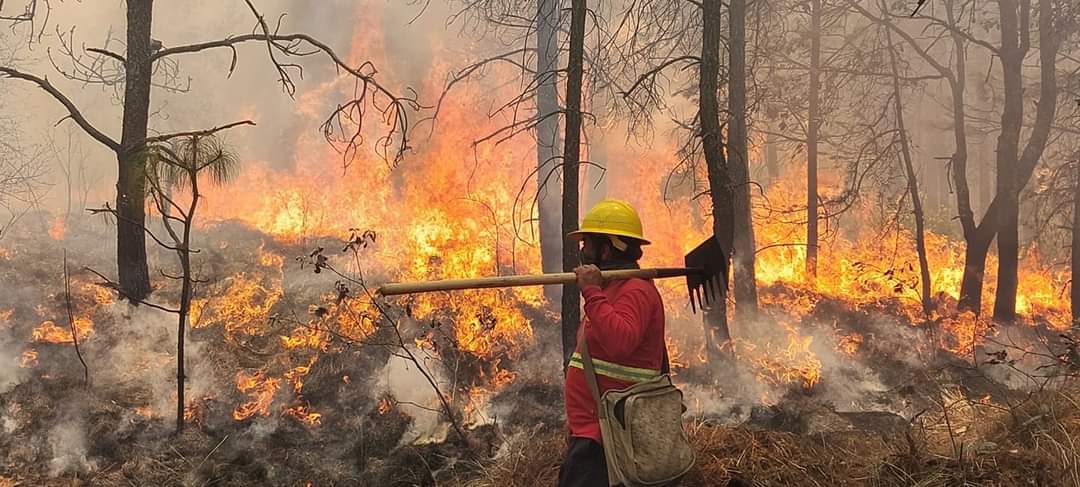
<point>297,379</point>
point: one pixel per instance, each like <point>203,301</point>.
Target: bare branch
<point>109,211</point>
<point>73,112</point>
<point>106,52</point>
<point>345,139</point>
<point>197,133</point>
<point>109,283</point>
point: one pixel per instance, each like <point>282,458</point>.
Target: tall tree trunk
<point>1012,118</point>
<point>746,301</point>
<point>131,180</point>
<point>571,301</point>
<point>717,334</point>
<point>1019,169</point>
<point>983,174</point>
<point>913,183</point>
<point>976,237</point>
<point>812,136</point>
<point>184,253</point>
<point>547,140</point>
<point>1075,258</point>
<point>772,156</point>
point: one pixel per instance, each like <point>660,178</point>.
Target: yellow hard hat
<point>612,217</point>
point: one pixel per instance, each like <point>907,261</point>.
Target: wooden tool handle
<point>394,289</point>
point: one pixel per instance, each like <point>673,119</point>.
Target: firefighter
<point>624,326</point>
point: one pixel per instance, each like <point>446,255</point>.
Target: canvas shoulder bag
<point>644,441</point>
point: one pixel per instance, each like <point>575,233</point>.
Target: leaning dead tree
<point>912,180</point>
<point>136,68</point>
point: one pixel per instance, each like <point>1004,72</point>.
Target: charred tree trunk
<point>1012,118</point>
<point>717,334</point>
<point>1015,169</point>
<point>746,301</point>
<point>571,301</point>
<point>547,140</point>
<point>812,136</point>
<point>976,237</point>
<point>184,254</point>
<point>131,181</point>
<point>912,183</point>
<point>1075,257</point>
<point>185,310</point>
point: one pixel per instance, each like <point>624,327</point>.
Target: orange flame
<point>260,389</point>
<point>49,332</point>
<point>243,307</point>
<point>385,405</point>
<point>849,344</point>
<point>29,359</point>
<point>303,414</point>
<point>58,228</point>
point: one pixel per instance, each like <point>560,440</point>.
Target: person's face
<point>591,252</point>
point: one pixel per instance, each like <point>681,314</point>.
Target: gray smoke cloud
<point>68,443</point>
<point>401,378</point>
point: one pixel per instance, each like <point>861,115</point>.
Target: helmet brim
<point>579,234</point>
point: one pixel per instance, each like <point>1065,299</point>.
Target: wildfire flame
<point>242,307</point>
<point>302,414</point>
<point>385,405</point>
<point>58,228</point>
<point>49,332</point>
<point>260,389</point>
<point>29,359</point>
<point>849,344</point>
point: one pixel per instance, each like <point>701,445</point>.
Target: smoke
<point>142,358</point>
<point>414,395</point>
<point>11,374</point>
<point>67,441</point>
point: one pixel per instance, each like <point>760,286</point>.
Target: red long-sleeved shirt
<point>624,324</point>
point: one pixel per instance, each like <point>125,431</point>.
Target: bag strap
<point>590,373</point>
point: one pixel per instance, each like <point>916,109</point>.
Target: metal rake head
<point>705,285</point>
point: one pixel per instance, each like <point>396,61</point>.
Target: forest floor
<point>888,413</point>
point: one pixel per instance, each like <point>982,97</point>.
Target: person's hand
<point>588,275</point>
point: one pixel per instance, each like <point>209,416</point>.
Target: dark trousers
<point>583,465</point>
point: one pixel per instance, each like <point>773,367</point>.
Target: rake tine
<point>705,292</point>
<point>692,308</point>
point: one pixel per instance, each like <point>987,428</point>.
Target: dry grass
<point>1036,442</point>
<point>525,460</point>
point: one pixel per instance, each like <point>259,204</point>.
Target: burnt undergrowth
<point>335,403</point>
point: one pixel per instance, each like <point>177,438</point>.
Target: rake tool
<point>705,272</point>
